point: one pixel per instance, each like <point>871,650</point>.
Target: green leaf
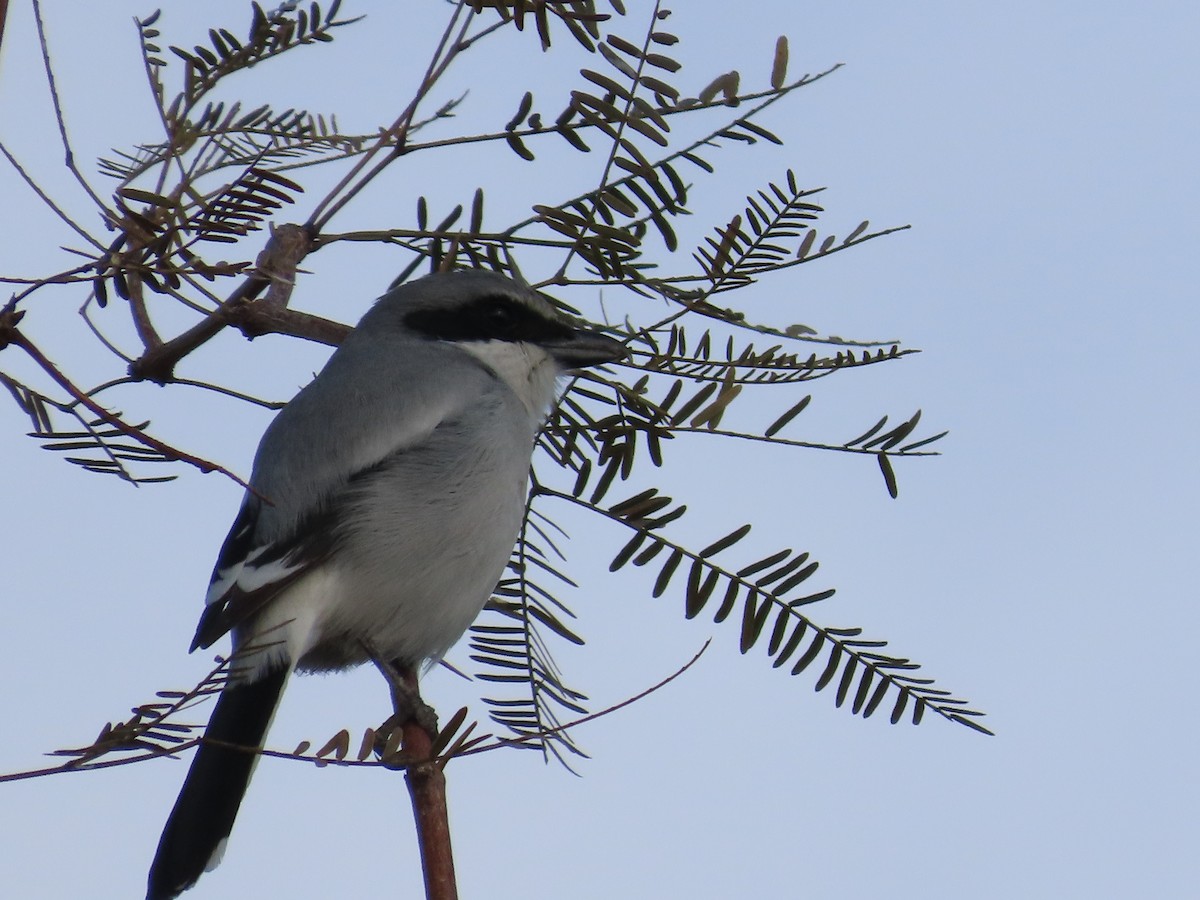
<point>889,476</point>
<point>810,654</point>
<point>864,685</point>
<point>694,403</point>
<point>724,543</point>
<point>782,619</point>
<point>868,433</point>
<point>760,131</point>
<point>846,680</point>
<point>728,602</point>
<point>747,571</point>
<point>790,566</point>
<point>477,212</point>
<point>831,667</point>
<point>897,434</point>
<point>970,723</point>
<point>606,479</point>
<point>800,576</point>
<point>625,507</point>
<point>666,573</point>
<point>779,423</point>
<point>522,111</point>
<point>857,232</point>
<point>519,148</point>
<point>806,245</point>
<point>876,698</point>
<point>811,598</point>
<point>923,442</point>
<point>698,592</point>
<point>779,64</point>
<point>792,644</point>
<point>147,197</point>
<point>649,553</point>
<point>627,551</point>
<point>754,617</point>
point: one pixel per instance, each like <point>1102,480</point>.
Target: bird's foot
<point>406,701</point>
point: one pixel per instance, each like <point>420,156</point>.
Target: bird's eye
<point>500,316</point>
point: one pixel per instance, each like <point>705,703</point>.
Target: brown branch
<point>141,316</point>
<point>69,158</point>
<point>427,788</point>
<point>254,321</point>
<point>158,364</point>
<point>45,198</point>
<point>772,94</point>
<point>618,138</point>
<point>425,778</point>
<point>590,717</point>
<point>74,766</point>
<point>404,759</point>
<point>10,335</point>
<point>395,136</point>
<point>10,317</point>
<point>289,244</point>
<point>3,19</point>
<point>275,272</point>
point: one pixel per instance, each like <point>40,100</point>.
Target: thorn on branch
<point>9,318</point>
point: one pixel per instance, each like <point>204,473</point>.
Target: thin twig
<point>98,764</point>
<point>137,434</point>
<point>276,267</point>
<point>45,198</point>
<point>3,19</point>
<point>141,316</point>
<point>616,140</point>
<point>396,135</point>
<point>392,763</point>
<point>590,717</point>
<point>58,113</point>
<point>100,336</point>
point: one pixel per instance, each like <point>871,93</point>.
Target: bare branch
<point>45,198</point>
<point>395,136</point>
<point>69,158</point>
<point>15,337</point>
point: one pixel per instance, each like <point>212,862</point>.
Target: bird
<point>383,505</point>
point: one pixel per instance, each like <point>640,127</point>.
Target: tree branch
<point>69,154</point>
<point>425,779</point>
<point>275,272</point>
<point>10,335</point>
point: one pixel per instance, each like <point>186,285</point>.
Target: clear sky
<point>1042,567</point>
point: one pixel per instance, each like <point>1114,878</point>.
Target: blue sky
<point>1044,154</point>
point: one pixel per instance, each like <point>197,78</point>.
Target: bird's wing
<point>249,574</point>
<point>316,446</point>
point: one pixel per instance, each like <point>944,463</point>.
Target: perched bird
<point>386,498</point>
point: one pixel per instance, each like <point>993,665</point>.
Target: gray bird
<point>387,496</point>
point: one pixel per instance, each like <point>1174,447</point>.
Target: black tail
<point>208,803</point>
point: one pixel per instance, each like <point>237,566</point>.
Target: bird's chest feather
<point>431,533</point>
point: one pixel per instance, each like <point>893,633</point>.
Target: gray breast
<point>431,531</point>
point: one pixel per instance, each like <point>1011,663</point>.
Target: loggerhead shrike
<point>387,496</point>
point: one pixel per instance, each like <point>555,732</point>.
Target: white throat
<point>526,368</point>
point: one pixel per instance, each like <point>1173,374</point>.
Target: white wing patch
<point>248,577</point>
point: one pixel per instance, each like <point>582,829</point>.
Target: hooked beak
<point>583,348</point>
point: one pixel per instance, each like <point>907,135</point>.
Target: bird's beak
<point>585,348</point>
